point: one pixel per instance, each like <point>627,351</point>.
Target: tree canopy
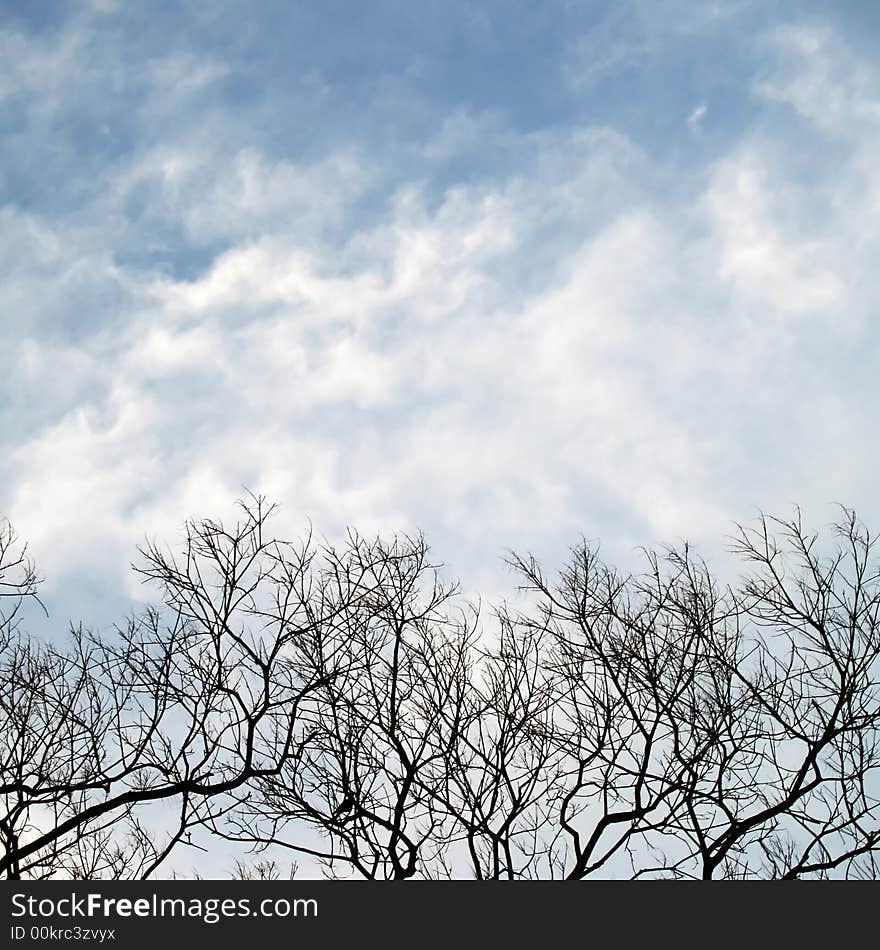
<point>346,705</point>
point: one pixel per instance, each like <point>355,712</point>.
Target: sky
<point>509,273</point>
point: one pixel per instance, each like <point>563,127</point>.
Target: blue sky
<point>506,272</point>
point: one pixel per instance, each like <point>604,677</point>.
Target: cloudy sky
<point>509,272</point>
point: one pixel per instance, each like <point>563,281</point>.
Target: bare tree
<point>618,660</point>
<point>345,705</point>
<point>19,581</point>
<point>504,764</point>
<point>718,733</point>
<point>182,706</point>
<point>789,781</point>
<point>380,734</point>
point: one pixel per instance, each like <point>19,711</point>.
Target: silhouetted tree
<point>344,704</point>
<point>183,705</point>
<point>380,733</point>
<point>725,732</point>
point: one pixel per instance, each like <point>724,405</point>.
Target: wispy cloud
<point>697,116</point>
<point>503,331</point>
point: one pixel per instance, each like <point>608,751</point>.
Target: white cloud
<point>823,80</point>
<point>563,347</point>
<point>767,260</point>
<point>696,117</point>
